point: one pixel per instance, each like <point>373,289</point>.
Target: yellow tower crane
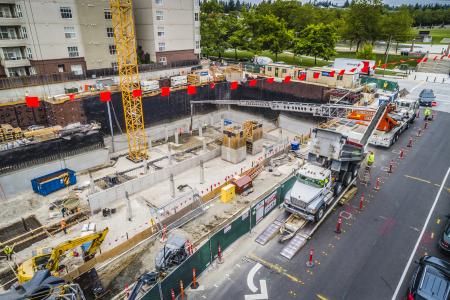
<point>125,39</point>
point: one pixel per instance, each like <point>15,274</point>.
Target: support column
<point>172,186</point>
<point>176,136</point>
<point>129,211</point>
<point>200,130</point>
<point>170,154</point>
<point>202,172</point>
<point>167,133</point>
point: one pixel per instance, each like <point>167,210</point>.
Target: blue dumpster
<point>295,145</point>
<point>52,182</point>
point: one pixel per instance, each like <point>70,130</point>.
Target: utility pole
<point>387,55</point>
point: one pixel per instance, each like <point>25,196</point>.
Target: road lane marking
<point>402,278</point>
<point>418,179</point>
<point>416,86</point>
<point>426,181</point>
<point>438,221</point>
<point>321,297</point>
<point>250,276</point>
<point>276,268</point>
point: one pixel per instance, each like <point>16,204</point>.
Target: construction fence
<point>381,83</point>
<point>206,254</point>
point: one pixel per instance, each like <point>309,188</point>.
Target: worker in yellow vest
<point>427,114</point>
<point>9,251</point>
<point>370,159</point>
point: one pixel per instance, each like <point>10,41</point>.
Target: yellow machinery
<point>50,259</point>
<point>125,39</point>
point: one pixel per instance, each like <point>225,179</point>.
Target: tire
<point>338,188</point>
<point>320,213</point>
<point>355,171</point>
<point>347,179</point>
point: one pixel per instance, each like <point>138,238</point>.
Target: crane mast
<point>125,40</point>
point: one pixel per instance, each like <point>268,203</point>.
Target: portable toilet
<point>227,193</point>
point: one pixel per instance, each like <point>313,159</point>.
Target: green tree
<point>366,52</point>
<point>317,41</point>
<point>363,21</point>
<point>214,33</point>
<point>267,32</point>
<point>237,34</point>
<point>397,27</point>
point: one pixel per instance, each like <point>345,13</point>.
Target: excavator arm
<point>96,238</point>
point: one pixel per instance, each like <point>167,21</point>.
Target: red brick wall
<point>176,56</point>
<point>50,66</point>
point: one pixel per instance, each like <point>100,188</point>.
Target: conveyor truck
<point>334,158</point>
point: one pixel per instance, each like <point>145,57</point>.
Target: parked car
<point>444,242</point>
<point>431,280</point>
<point>426,97</point>
<point>173,253</point>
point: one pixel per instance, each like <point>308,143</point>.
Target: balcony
<point>18,42</point>
<point>15,63</point>
<point>12,21</point>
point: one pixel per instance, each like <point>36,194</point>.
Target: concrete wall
<point>19,181</point>
<point>107,197</point>
<point>161,131</point>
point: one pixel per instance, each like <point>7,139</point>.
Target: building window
<point>108,15</point>
<point>269,69</point>
<point>12,54</point>
<point>196,17</point>
<point>159,15</point>
<point>76,69</point>
<point>18,11</point>
<point>5,12</point>
<point>66,12</point>
<point>160,31</point>
<point>197,44</point>
<point>112,49</point>
<point>69,32</point>
<point>73,51</point>
<point>114,65</point>
<point>4,33</point>
<point>340,77</point>
<point>29,53</point>
<point>159,2</point>
<point>61,68</point>
<point>163,60</point>
<point>109,32</point>
<point>162,47</point>
<point>23,31</point>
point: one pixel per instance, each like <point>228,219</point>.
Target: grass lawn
<point>285,57</point>
<point>437,33</point>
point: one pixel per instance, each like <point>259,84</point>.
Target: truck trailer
<point>335,155</point>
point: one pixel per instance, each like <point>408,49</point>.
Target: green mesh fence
<point>201,259</point>
<point>152,294</point>
<point>284,188</point>
<point>230,233</point>
<point>381,83</point>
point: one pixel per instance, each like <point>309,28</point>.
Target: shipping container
<point>52,182</point>
<point>149,85</point>
<point>178,81</point>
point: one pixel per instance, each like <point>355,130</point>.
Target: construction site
<point>134,186</point>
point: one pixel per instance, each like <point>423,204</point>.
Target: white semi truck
<point>334,158</point>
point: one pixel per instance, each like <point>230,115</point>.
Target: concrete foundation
<point>256,147</point>
<point>234,155</point>
<point>20,181</point>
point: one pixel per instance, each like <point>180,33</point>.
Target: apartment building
<point>169,30</point>
<point>47,37</point>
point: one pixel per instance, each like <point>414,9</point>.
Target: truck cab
<point>407,109</point>
<point>311,193</point>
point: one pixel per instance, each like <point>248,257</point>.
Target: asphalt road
<point>441,91</point>
<point>367,259</point>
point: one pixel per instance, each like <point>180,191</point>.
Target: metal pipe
<point>110,127</point>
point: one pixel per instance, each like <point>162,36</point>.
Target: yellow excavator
<point>50,259</point>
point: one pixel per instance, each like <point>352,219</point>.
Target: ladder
<point>365,177</point>
<point>297,242</point>
<point>271,231</point>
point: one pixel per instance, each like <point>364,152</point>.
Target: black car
<point>426,97</point>
<point>444,242</point>
<point>431,280</point>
